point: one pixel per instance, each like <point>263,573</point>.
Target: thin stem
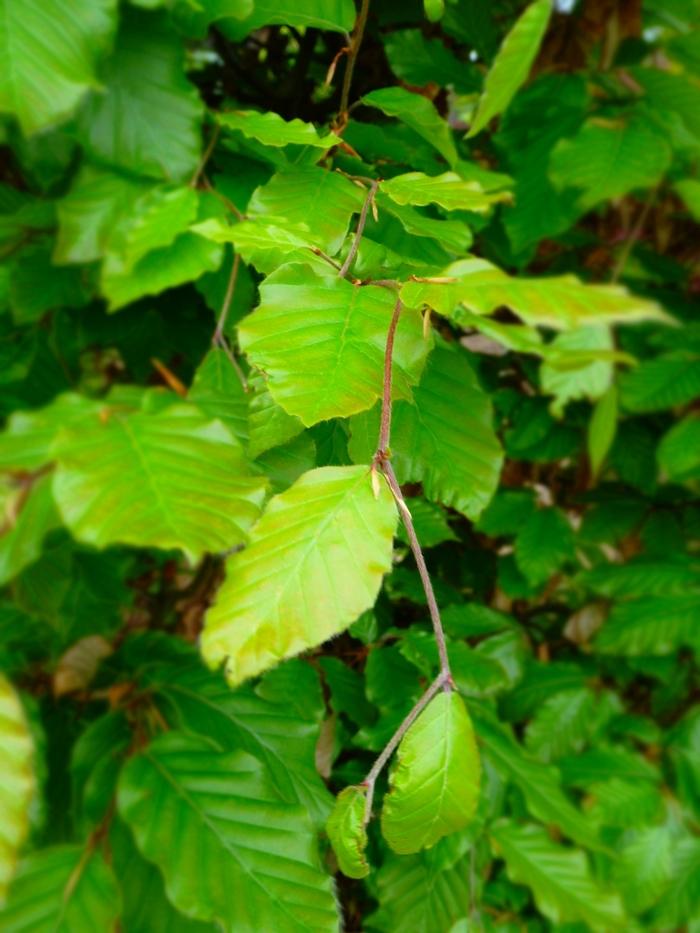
<point>634,236</point>
<point>388,472</point>
<point>360,230</point>
<point>206,155</point>
<point>355,43</point>
<point>228,298</point>
<point>385,424</point>
<point>218,339</point>
<point>388,751</point>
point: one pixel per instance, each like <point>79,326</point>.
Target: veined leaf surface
<point>315,562</point>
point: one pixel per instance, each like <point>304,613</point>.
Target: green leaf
<point>261,720</point>
<point>420,61</point>
<point>145,905</point>
<point>561,302</point>
<point>689,190</point>
<point>51,52</point>
<point>423,893</point>
<point>434,786</point>
<point>680,900</point>
<point>453,235</point>
<point>346,831</point>
<point>61,287</point>
<point>153,222</point>
<point>22,535</point>
<point>331,361</point>
<point>229,848</point>
<point>559,878</point>
<point>601,429</point>
<point>265,244</point>
<point>539,783</point>
<point>430,522</point>
<point>269,423</point>
<point>543,544</point>
<point>651,625</point>
<point>512,63</point>
<point>434,9</point>
<point>560,375</point>
<point>17,781</point>
<point>323,200</point>
<point>185,260</point>
<point>443,440</point>
<point>679,450</point>
<point>148,118</point>
<point>172,479</point>
<point>561,724</point>
<point>419,114</point>
<point>217,389</point>
<point>62,889</point>
<point>331,15</point>
<point>644,870</point>
<point>606,160</point>
<point>270,129</point>
<point>88,214</point>
<point>314,564</point>
<point>665,382</point>
<point>448,190</point>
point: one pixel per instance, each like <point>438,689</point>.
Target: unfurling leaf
<point>346,831</point>
<point>512,64</point>
<point>315,562</point>
<point>16,780</point>
<point>435,783</point>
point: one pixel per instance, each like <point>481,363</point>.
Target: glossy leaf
<point>17,781</point>
<point>214,825</point>
<point>315,562</point>
<point>333,15</point>
<point>172,480</point>
<point>434,787</point>
<point>601,429</point>
<point>346,831</point>
<point>50,53</point>
<point>272,130</point>
<point>561,302</point>
<point>323,200</point>
<point>661,383</point>
<point>448,190</point>
<point>313,373</point>
<point>419,114</point>
<point>679,451</point>
<point>512,64</point>
<point>30,519</point>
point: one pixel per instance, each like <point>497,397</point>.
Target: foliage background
<point>551,465</point>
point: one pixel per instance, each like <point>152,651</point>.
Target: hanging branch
<point>381,461</point>
<point>369,200</point>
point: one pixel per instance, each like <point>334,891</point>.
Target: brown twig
<point>206,155</point>
<point>218,339</point>
<point>360,230</point>
<point>381,461</point>
<point>391,746</point>
<point>355,43</point>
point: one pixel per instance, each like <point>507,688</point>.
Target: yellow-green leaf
<point>16,780</point>
<point>346,831</point>
<point>435,784</point>
<point>315,562</point>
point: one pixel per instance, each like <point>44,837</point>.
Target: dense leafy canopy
<point>349,466</point>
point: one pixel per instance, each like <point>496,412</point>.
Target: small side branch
<point>218,339</point>
<point>371,194</point>
<point>390,748</point>
<point>355,43</point>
